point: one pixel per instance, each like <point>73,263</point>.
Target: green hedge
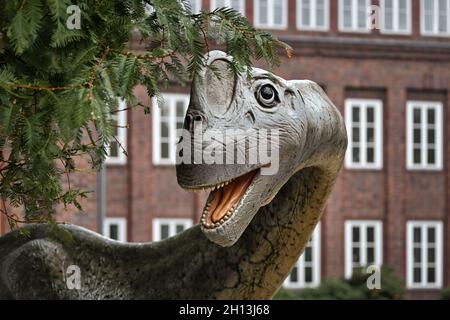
<point>355,288</point>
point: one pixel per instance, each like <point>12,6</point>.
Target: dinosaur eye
<point>267,95</point>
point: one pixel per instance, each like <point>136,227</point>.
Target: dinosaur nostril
<point>188,122</point>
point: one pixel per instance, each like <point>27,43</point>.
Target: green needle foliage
<point>59,87</point>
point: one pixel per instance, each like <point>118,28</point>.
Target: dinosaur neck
<point>256,266</point>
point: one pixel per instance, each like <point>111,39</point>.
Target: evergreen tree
<point>59,84</point>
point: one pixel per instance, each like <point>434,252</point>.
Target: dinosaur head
<point>245,135</point>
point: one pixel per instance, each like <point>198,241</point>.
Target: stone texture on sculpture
<point>245,256</point>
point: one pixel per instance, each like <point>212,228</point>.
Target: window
<point>424,135</point>
<point>115,228</point>
<point>365,134</point>
<point>435,17</point>
<point>118,144</point>
<point>238,5</point>
<point>165,228</point>
<point>271,14</point>
<point>354,15</point>
<point>306,272</point>
<point>196,6</point>
<point>313,15</point>
<point>167,118</point>
<point>396,16</point>
<point>363,245</point>
<point>424,257</point>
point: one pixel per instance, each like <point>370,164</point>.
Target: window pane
<point>370,234</point>
<point>431,136</point>
<point>278,13</point>
<point>431,235</point>
<point>320,13</point>
<point>306,10</point>
<point>417,276</point>
<point>431,116</point>
<point>164,231</point>
<point>370,135</point>
<point>370,155</point>
<point>355,135</point>
<point>417,235</point>
<point>164,109</point>
<point>389,15</point>
<point>164,129</point>
<point>263,11</point>
<point>113,149</point>
<point>431,275</point>
<point>308,275</point>
<point>431,255</point>
<point>431,156</point>
<point>293,277</point>
<point>181,109</point>
<point>443,16</point>
<point>114,231</point>
<point>165,150</point>
<point>362,14</point>
<point>417,136</point>
<point>236,5</point>
<point>356,258</point>
<point>370,115</point>
<point>403,15</point>
<point>417,255</point>
<point>356,157</point>
<point>417,156</point>
<point>180,123</point>
<point>370,256</point>
<point>179,228</point>
<point>308,254</point>
<point>417,116</point>
<point>428,15</point>
<point>347,14</point>
<point>355,234</point>
<point>355,114</point>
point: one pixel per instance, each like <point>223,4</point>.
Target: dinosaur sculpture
<point>256,225</point>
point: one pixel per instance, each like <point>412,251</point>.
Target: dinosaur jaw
<point>225,199</point>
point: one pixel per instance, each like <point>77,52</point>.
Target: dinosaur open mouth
<point>224,199</point>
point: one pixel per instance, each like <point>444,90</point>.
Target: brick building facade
<point>390,78</point>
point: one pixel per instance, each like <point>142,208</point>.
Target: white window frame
<point>197,4</point>
<point>424,106</point>
<point>396,21</point>
<point>121,137</point>
<point>172,223</point>
<point>424,225</point>
<point>378,250</point>
<point>354,28</point>
<point>270,15</point>
<point>241,8</point>
<point>378,132</point>
<point>315,244</point>
<point>435,32</point>
<point>170,99</point>
<point>313,16</point>
<point>121,228</point>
